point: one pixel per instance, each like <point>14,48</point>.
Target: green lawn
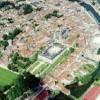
<point>37,67</point>
<point>36,63</point>
<point>88,67</point>
<point>6,77</point>
<point>41,68</point>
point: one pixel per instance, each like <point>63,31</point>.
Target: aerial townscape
<point>49,49</point>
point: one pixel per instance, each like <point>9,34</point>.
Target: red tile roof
<point>92,94</point>
<point>42,96</point>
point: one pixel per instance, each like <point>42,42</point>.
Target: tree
<point>48,16</point>
<point>98,1</point>
<point>17,89</point>
<point>13,67</point>
<point>5,36</point>
<point>22,84</point>
<point>19,63</point>
<point>14,33</point>
<point>31,81</point>
<point>15,57</point>
<point>4,43</point>
<point>1,54</point>
<point>2,96</point>
<point>93,2</point>
<point>6,4</point>
<point>98,52</point>
<point>27,8</point>
<point>71,49</point>
<point>55,13</point>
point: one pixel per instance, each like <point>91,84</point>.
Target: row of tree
<point>55,13</point>
<point>18,63</point>
<point>12,35</point>
<point>9,36</point>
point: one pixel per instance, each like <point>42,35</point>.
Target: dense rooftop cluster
<point>48,46</point>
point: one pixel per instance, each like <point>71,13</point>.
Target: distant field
<point>6,77</point>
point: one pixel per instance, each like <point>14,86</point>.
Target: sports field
<point>6,77</point>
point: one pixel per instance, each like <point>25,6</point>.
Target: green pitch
<point>6,77</point>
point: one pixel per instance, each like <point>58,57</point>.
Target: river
<point>91,11</point>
